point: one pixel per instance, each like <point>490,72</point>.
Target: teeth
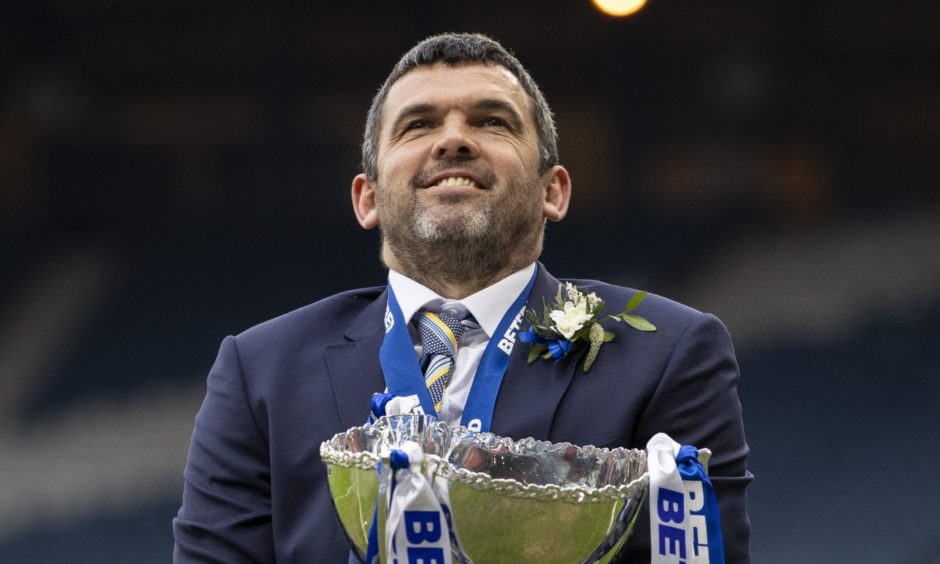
<point>457,181</point>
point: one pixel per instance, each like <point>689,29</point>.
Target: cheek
<point>403,158</point>
<point>521,165</point>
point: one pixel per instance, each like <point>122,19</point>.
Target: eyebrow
<point>497,105</point>
<point>409,112</point>
<point>484,105</point>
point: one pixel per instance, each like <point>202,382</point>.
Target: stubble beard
<point>469,244</point>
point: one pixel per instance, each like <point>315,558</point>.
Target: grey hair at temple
<point>455,49</point>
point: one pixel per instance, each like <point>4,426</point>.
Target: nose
<point>455,141</point>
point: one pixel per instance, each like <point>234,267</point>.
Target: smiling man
<point>459,186</point>
<point>460,174</point>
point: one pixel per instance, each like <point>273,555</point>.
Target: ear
<point>363,201</point>
<point>557,193</point>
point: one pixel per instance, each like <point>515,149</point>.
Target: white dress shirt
<point>488,306</point>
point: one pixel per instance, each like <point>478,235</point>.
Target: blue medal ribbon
<point>403,376</point>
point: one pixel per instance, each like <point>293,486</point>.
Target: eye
<point>417,124</point>
<point>493,121</point>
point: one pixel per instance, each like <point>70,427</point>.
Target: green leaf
<point>597,339</point>
<point>535,351</point>
<point>637,322</point>
<point>558,297</point>
<point>547,355</point>
<point>546,311</point>
<point>608,336</point>
<point>589,359</point>
<point>634,301</point>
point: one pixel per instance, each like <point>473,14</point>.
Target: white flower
<point>592,301</point>
<point>572,292</point>
<point>573,318</point>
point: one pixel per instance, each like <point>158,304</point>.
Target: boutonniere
<point>573,321</point>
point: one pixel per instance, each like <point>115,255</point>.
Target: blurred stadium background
<point>172,172</point>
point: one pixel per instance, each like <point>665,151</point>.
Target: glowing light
<point>619,8</point>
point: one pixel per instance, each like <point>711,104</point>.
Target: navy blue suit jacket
<point>255,488</point>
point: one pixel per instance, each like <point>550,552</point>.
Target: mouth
<point>454,179</point>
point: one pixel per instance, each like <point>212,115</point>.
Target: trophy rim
<point>334,452</point>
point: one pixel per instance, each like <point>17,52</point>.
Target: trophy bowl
<point>511,501</point>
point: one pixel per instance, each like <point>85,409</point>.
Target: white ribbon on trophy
<point>417,528</point>
<point>684,524</point>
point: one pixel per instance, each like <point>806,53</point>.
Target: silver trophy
<point>511,501</point>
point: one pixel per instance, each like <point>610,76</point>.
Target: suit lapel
<point>355,372</point>
<point>531,393</point>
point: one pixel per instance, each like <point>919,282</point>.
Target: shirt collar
<point>487,306</point>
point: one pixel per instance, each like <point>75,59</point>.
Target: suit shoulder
<point>671,318</point>
<point>338,310</point>
<point>618,296</point>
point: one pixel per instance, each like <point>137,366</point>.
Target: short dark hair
<point>453,49</point>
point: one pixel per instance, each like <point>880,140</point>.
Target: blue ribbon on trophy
<point>372,553</point>
<point>684,523</point>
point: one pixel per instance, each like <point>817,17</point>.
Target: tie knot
<point>441,332</point>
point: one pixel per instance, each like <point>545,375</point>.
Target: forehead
<point>444,86</point>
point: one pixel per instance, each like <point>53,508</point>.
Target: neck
<point>455,284</point>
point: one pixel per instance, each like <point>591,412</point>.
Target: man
<point>460,174</point>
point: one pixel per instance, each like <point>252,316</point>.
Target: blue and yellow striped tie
<point>440,336</point>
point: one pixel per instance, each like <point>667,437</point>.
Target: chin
<point>461,228</point>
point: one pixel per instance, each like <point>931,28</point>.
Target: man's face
<point>458,160</point>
